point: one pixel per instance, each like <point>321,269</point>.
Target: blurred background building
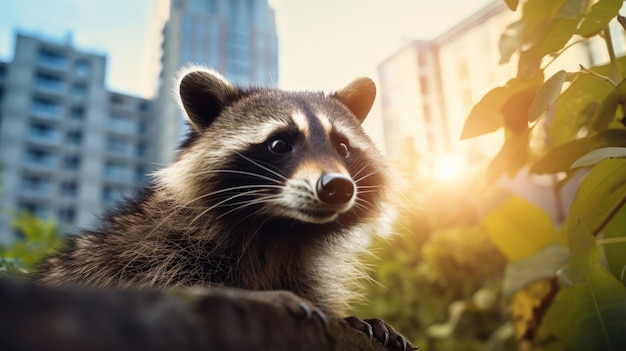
<point>428,88</point>
<point>236,38</point>
<point>68,147</point>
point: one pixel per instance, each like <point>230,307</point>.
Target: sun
<point>448,168</point>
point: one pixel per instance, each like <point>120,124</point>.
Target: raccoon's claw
<point>309,312</point>
<point>384,333</point>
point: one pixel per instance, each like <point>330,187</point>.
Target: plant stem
<point>609,45</point>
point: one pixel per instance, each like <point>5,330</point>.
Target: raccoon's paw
<point>382,332</point>
<point>295,305</point>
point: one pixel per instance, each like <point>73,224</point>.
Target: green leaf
<point>606,70</point>
<point>542,264</point>
<point>589,315</point>
<point>598,155</point>
<point>599,195</point>
<point>576,107</point>
<point>515,110</point>
<point>512,4</point>
<point>615,245</point>
<point>561,157</point>
<point>511,158</point>
<point>598,17</point>
<point>520,229</point>
<point>558,34</point>
<point>547,95</point>
<point>605,114</point>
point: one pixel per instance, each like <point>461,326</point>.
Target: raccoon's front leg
<point>295,305</point>
<point>382,332</point>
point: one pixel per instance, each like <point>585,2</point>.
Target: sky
<point>323,44</point>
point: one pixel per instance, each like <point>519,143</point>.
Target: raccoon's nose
<point>335,189</point>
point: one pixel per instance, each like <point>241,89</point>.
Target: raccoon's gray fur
<point>271,190</point>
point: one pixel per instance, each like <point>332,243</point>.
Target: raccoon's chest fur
<point>271,190</point>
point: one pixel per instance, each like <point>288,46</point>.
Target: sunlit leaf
<point>574,8</point>
<point>576,107</point>
<point>590,314</point>
<point>537,13</point>
<point>561,157</point>
<point>543,264</point>
<point>510,41</point>
<point>599,195</point>
<point>558,34</point>
<point>487,115</point>
<point>547,95</point>
<point>529,63</point>
<point>605,113</point>
<point>510,159</point>
<point>615,245</point>
<point>512,4</point>
<point>520,229</point>
<point>515,110</point>
<point>598,155</point>
<point>599,16</point>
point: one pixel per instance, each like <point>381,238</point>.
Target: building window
<point>111,194</point>
<point>77,113</point>
<point>46,108</point>
<point>74,137</point>
<point>36,184</point>
<point>66,214</point>
<point>49,83</point>
<point>118,146</point>
<point>118,171</point>
<point>69,188</point>
<point>40,157</point>
<point>79,90</point>
<point>120,124</point>
<point>34,209</point>
<point>42,132</point>
<point>424,85</point>
<point>428,118</point>
<point>71,162</point>
<point>82,67</point>
<point>50,58</point>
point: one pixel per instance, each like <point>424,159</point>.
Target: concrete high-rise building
<point>68,147</point>
<point>235,37</point>
<point>429,87</point>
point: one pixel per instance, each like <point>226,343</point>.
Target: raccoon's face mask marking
<point>304,168</point>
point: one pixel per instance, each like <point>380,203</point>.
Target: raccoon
<point>271,190</point>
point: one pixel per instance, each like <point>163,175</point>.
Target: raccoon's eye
<point>342,150</point>
<point>279,146</point>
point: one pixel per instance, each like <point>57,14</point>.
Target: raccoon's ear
<point>358,96</point>
<point>204,94</point>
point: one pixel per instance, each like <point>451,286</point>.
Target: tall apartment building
<point>68,147</point>
<point>235,37</point>
<point>429,87</point>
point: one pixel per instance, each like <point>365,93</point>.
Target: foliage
<point>39,238</point>
<point>583,304</point>
<point>441,256</point>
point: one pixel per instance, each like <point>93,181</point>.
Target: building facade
<point>68,147</point>
<point>235,37</point>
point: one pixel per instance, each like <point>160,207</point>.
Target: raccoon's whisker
<point>368,186</point>
<point>360,170</point>
<point>366,191</point>
<point>261,200</point>
<point>233,171</point>
<point>250,192</point>
<point>263,167</point>
<point>365,176</point>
